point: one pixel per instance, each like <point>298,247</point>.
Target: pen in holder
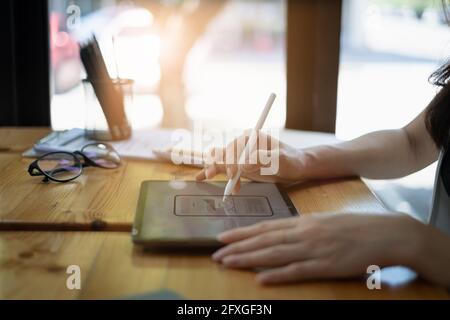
<point>105,97</point>
<point>106,104</point>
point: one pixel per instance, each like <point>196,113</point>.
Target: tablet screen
<point>189,213</point>
<point>204,205</point>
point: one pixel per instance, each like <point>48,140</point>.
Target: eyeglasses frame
<point>34,170</point>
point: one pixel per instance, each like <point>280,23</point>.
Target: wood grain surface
<point>33,266</point>
<point>50,226</point>
<point>106,199</point>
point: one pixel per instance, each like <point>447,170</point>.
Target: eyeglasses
<point>62,166</point>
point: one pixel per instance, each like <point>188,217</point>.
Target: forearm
<point>377,155</point>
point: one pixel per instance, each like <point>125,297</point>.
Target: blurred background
<point>192,60</point>
<point>214,62</point>
<point>206,61</point>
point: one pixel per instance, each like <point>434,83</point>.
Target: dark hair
<point>437,118</point>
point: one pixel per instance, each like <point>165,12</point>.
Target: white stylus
<point>249,146</point>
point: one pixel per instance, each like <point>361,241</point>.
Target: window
<point>388,51</point>
<point>213,62</point>
<point>236,64</point>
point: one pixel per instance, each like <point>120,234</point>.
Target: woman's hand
<point>322,246</point>
<point>289,169</point>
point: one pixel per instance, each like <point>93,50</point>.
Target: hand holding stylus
<point>249,146</point>
<point>291,164</point>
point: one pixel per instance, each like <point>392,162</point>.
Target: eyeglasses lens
<point>60,166</point>
<point>103,155</point>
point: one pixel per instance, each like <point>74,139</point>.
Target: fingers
<point>264,141</point>
<point>201,175</point>
<point>237,187</point>
<point>208,172</point>
<point>261,241</point>
<point>214,164</point>
<point>231,172</point>
<point>211,171</point>
<point>216,158</point>
<point>253,230</point>
<point>259,159</point>
<point>297,271</point>
<point>273,256</point>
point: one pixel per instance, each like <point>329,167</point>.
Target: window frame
<point>313,48</point>
<point>25,83</point>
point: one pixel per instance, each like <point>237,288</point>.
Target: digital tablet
<point>173,214</point>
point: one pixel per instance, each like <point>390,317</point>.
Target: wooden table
<point>47,227</point>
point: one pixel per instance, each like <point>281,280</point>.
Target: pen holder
<point>106,104</point>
